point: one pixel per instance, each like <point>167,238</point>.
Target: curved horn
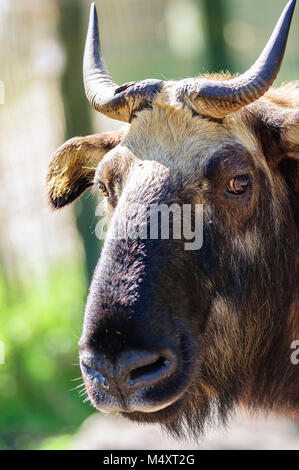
<point>220,98</point>
<point>104,95</point>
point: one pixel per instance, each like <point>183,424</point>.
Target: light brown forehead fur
<point>171,134</point>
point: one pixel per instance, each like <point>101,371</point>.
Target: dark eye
<point>238,185</point>
<point>104,191</point>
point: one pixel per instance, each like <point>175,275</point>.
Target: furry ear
<point>275,120</point>
<point>290,135</point>
<point>73,166</point>
<point>286,112</point>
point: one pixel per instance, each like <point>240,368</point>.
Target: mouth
<point>157,402</point>
<point>162,415</point>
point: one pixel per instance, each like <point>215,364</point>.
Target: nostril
<point>97,376</point>
<point>129,371</point>
<point>149,371</point>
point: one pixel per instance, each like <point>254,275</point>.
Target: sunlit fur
<point>238,295</point>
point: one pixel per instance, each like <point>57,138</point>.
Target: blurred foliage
<point>216,47</point>
<point>40,327</point>
<point>40,324</point>
<point>77,114</point>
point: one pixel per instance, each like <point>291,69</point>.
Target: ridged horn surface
<point>220,98</point>
<point>116,102</point>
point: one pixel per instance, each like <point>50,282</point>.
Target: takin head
<point>175,335</point>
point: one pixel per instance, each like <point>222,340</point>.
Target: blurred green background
<point>47,259</point>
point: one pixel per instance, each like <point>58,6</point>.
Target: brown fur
<point>72,168</point>
<point>236,300</point>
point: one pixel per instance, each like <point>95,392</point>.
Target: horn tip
<point>291,4</point>
<point>93,27</point>
<point>93,11</point>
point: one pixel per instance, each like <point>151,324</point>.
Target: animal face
<point>172,334</point>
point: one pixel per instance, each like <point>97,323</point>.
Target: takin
<point>177,336</point>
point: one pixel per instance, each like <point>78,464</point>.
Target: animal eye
<point>103,189</point>
<point>238,185</point>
